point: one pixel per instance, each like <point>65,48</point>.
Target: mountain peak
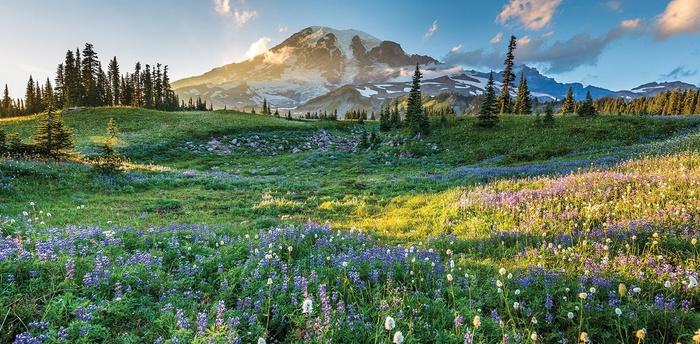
<point>309,63</point>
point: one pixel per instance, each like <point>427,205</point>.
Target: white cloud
<point>242,17</point>
<point>431,29</point>
<point>258,47</point>
<point>532,14</point>
<point>523,41</point>
<point>614,5</point>
<point>559,56</point>
<point>456,48</point>
<point>630,23</point>
<point>497,38</point>
<point>282,29</point>
<point>222,6</point>
<point>680,16</point>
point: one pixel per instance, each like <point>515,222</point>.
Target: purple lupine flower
<point>182,321</point>
<point>117,291</point>
<point>459,320</point>
<point>468,337</point>
<point>201,322</point>
<point>548,301</point>
<point>62,333</point>
<point>325,304</point>
<point>83,313</point>
<point>220,309</point>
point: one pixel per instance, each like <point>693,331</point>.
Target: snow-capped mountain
<point>323,69</point>
<point>465,84</point>
<point>308,64</point>
<point>654,88</point>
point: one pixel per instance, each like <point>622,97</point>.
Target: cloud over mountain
<point>680,17</point>
<point>531,14</point>
<point>559,56</point>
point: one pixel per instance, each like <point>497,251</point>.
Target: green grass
<point>344,188</point>
<point>411,192</point>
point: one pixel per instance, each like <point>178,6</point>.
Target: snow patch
<point>367,92</point>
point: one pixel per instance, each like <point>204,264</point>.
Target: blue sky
<point>616,44</point>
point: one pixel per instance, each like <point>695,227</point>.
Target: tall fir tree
<point>114,81</point>
<point>147,80</point>
<point>30,97</point>
<point>569,105</point>
<point>58,91</point>
<point>137,82</point>
<point>506,103</point>
<point>416,118</point>
<point>89,74</point>
<point>71,90</point>
<point>587,109</point>
<point>48,96</point>
<point>523,104</point>
<point>158,87</point>
<point>487,114</point>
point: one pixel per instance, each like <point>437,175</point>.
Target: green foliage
<point>505,102</point>
<point>52,137</point>
<point>416,118</point>
<point>587,108</point>
<point>548,115</point>
<point>523,103</point>
<point>569,105</point>
<point>487,117</point>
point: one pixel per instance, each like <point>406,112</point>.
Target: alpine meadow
<point>229,171</point>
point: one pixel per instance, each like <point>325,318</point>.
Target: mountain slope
<point>308,64</point>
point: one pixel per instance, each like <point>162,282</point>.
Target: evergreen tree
<point>158,87</point>
<point>548,115</point>
<point>59,97</point>
<point>48,96</point>
<point>138,86</point>
<point>487,115</point>
<point>396,115</point>
<point>508,78</point>
<point>416,117</point>
<point>72,93</point>
<point>385,119</point>
<point>6,104</point>
<point>38,98</point>
<point>115,81</point>
<point>523,105</point>
<point>30,97</point>
<point>52,137</point>
<point>104,91</point>
<point>89,74</point>
<point>109,162</point>
<point>587,109</point>
<point>569,103</point>
<point>147,80</point>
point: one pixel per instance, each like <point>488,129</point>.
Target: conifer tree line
<point>671,102</point>
<point>81,81</point>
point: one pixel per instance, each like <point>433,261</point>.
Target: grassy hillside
<point>256,182</point>
<point>205,238</point>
